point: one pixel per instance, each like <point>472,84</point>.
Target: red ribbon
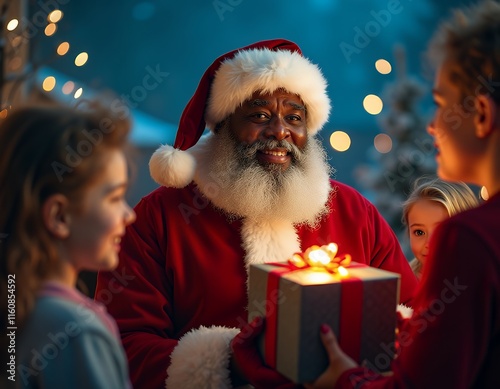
<point>350,321</point>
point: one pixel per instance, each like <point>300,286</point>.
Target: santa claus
<point>256,188</point>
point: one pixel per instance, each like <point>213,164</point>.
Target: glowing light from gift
<point>324,257</point>
<point>319,258</point>
<point>342,271</point>
<point>316,277</point>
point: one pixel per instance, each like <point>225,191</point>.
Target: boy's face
<point>453,129</point>
<point>96,229</point>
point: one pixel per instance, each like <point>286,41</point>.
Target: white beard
<point>271,202</point>
<point>243,188</point>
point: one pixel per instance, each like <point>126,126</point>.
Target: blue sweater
<point>69,341</point>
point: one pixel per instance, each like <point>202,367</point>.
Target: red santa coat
<point>453,337</point>
<point>181,267</point>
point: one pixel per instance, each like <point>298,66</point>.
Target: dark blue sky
<point>126,39</point>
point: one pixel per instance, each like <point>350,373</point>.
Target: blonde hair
<point>455,197</point>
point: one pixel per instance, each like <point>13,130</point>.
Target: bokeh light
<point>49,83</point>
<point>340,141</point>
<point>63,48</point>
<point>55,16</point>
<point>383,66</point>
<point>50,29</point>
<point>81,59</point>
<point>68,87</point>
<point>11,26</point>
<point>383,143</point>
<point>78,93</point>
<point>373,104</point>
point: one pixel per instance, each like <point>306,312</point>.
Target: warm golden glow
<point>78,93</point>
<point>373,104</point>
<point>55,16</point>
<point>316,277</point>
<point>340,141</point>
<point>342,271</point>
<point>50,29</point>
<point>382,143</point>
<point>383,66</point>
<point>11,26</point>
<point>3,113</point>
<point>49,83</point>
<point>81,59</point>
<point>484,193</point>
<point>319,257</point>
<point>63,48</point>
<point>68,87</point>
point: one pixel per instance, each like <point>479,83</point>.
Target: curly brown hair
<point>471,40</point>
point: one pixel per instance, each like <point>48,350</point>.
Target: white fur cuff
<point>201,359</point>
<point>405,311</point>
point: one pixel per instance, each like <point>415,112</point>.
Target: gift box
<point>359,305</point>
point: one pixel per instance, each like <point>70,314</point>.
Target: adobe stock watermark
<point>408,163</point>
<point>416,325</point>
<point>223,6</point>
<point>115,285</point>
<point>363,36</point>
<point>29,28</point>
<point>119,106</point>
<point>460,111</point>
<point>54,343</point>
<point>199,200</point>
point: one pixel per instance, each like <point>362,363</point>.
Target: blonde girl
<point>431,201</point>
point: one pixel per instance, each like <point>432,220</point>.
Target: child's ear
<point>56,216</point>
<point>487,115</point>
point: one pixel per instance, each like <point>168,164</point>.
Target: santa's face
<point>262,164</point>
<point>279,117</point>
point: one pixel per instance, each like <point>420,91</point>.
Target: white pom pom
<point>172,167</point>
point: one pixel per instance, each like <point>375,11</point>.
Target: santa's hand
<point>339,361</point>
<point>249,363</point>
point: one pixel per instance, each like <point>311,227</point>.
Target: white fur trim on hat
<point>267,70</point>
<point>172,167</point>
<point>175,168</point>
<point>201,359</point>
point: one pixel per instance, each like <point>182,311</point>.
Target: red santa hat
<point>232,79</point>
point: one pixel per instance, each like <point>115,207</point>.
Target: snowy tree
<point>389,176</point>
